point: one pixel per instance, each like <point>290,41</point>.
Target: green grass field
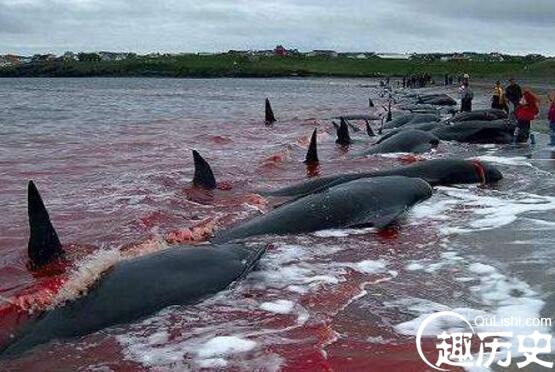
<point>226,65</point>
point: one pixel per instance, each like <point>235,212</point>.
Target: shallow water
<point>112,159</point>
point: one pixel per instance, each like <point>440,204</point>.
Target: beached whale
<point>416,107</point>
<point>363,117</point>
<point>368,202</point>
<point>411,141</point>
<point>495,131</point>
<point>409,119</point>
<point>130,290</point>
<point>137,288</point>
<point>479,115</point>
<point>437,100</point>
<point>426,127</point>
<point>437,172</point>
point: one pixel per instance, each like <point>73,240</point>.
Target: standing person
<point>498,100</point>
<point>526,111</point>
<point>551,118</point>
<point>513,93</point>
<point>466,94</point>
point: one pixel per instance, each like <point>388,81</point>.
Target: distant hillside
<point>543,68</point>
<point>228,65</point>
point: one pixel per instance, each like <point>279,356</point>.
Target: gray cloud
<point>515,26</point>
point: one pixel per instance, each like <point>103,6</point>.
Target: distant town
<point>279,51</point>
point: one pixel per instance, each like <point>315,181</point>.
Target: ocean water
<point>112,159</point>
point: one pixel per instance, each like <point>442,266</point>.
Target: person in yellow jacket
<point>499,101</point>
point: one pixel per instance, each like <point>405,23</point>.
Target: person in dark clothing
<point>513,93</point>
<point>466,94</point>
<point>526,111</point>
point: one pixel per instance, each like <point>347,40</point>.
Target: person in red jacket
<point>526,111</point>
<point>551,118</point>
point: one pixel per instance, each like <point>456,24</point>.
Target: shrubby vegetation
<point>228,65</point>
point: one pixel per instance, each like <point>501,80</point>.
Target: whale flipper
<point>44,244</point>
<point>203,173</point>
<point>270,118</point>
<point>312,154</point>
<point>343,137</point>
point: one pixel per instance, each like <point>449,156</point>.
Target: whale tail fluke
<point>44,244</point>
<point>343,137</point>
<point>312,154</point>
<point>270,118</point>
<point>203,173</point>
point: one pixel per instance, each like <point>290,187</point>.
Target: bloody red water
<point>112,159</point>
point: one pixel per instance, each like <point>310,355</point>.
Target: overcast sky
<point>514,26</point>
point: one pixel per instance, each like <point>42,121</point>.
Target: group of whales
<point>187,274</point>
<point>418,128</point>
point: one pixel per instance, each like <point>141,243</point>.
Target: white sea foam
<point>225,345</point>
<point>86,274</point>
<point>369,266</point>
<point>278,307</point>
<point>517,160</point>
<point>500,297</point>
<point>343,233</point>
<point>91,269</point>
<point>482,212</point>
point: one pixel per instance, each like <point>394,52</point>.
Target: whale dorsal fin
<point>370,103</point>
<point>312,154</point>
<point>44,244</point>
<point>203,173</point>
<point>343,137</point>
<point>369,130</point>
<point>389,115</point>
<point>270,118</point>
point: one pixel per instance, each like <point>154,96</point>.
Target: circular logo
<point>427,322</point>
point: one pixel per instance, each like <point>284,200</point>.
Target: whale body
<point>375,202</point>
<point>412,141</point>
<point>437,172</point>
<point>495,131</point>
<point>137,288</point>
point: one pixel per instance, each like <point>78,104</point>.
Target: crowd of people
<point>417,81</point>
<point>521,104</point>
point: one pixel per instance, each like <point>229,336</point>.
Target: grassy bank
<point>226,65</point>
